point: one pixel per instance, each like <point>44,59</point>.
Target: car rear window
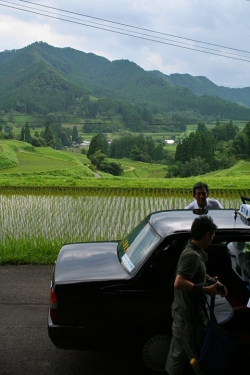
<point>137,245</point>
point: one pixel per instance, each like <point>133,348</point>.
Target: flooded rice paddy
<point>64,219</point>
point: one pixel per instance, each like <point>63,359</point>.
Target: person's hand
<point>221,289</point>
<point>211,290</point>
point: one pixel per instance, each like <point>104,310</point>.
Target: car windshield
<point>137,245</point>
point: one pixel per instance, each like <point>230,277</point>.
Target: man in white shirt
<point>200,194</point>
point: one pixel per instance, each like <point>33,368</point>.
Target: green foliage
<point>48,136</point>
<point>25,133</point>
<point>197,148</point>
<point>84,151</point>
<point>136,147</point>
<point>96,144</point>
<point>138,155</point>
<point>111,167</point>
<point>75,134</point>
<point>193,167</point>
<point>100,161</point>
<point>224,132</point>
<point>246,132</point>
<point>97,158</point>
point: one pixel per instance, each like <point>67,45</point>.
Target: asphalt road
<point>25,347</point>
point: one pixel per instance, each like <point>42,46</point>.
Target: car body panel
<point>86,262</point>
<point>166,223</point>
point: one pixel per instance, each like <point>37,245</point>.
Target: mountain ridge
<point>201,85</point>
<point>42,78</point>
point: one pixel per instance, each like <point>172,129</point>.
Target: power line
<point>134,27</point>
<point>138,34</point>
<point>116,28</point>
<point>135,34</point>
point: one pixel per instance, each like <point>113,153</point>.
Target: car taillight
<point>53,306</point>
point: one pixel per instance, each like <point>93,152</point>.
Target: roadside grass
<point>30,251</point>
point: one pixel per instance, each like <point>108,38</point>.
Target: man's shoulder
<point>191,206</point>
<point>213,203</point>
<point>212,200</point>
<point>190,249</point>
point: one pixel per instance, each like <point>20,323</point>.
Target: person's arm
<point>183,284</point>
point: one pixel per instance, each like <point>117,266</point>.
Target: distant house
<point>169,141</point>
<point>85,144</point>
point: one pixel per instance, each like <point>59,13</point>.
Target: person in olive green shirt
<point>190,281</point>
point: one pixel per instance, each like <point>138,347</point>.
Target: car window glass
<point>136,246</point>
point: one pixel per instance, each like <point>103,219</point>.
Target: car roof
<point>166,223</point>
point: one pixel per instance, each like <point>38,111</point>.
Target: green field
<point>47,167</point>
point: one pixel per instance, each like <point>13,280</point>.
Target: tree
<point>224,132</point>
<point>105,144</point>
<point>194,167</point>
<point>75,134</point>
<point>240,145</point>
<point>35,141</point>
<point>95,145</point>
<point>48,136</point>
<point>246,131</point>
<point>198,145</point>
<point>100,161</point>
<point>97,158</point>
<point>65,139</point>
<point>112,167</point>
<point>25,133</point>
<point>11,135</point>
<point>139,155</point>
<point>135,153</point>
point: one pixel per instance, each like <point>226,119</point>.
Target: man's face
<point>201,196</point>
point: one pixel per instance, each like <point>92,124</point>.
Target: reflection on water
<point>82,218</point>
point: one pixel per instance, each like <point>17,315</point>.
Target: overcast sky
<point>168,34</point>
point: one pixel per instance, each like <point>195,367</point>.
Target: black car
<point>118,294</point>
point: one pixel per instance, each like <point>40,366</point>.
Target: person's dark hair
<point>201,226</point>
<point>200,185</point>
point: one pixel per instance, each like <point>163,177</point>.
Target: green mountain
<point>43,79</point>
<point>203,86</point>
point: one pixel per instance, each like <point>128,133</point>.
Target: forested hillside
<point>43,79</point>
<point>202,86</point>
